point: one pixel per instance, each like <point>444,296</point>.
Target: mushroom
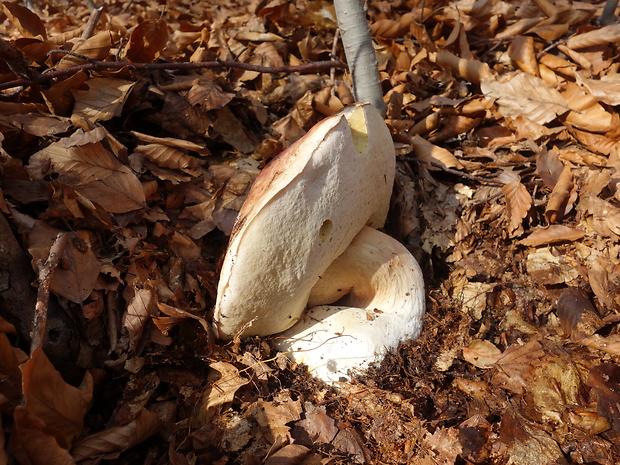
<point>379,290</point>
<point>321,196</point>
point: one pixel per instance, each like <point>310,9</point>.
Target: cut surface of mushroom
<point>377,290</point>
<point>302,212</point>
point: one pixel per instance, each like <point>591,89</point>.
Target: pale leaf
<point>96,47</point>
<point>604,35</point>
<point>595,142</point>
<point>521,51</point>
<point>606,89</point>
<point>103,100</point>
<point>472,70</point>
<point>137,314</point>
<point>527,96</point>
<point>552,234</point>
<point>481,354</point>
<point>431,153</point>
<point>95,171</point>
<point>169,157</point>
<point>220,392</point>
<point>518,204</point>
<point>118,438</point>
<point>609,344</point>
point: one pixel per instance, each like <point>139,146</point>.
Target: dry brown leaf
<point>604,35</point>
<point>103,100</point>
<point>139,309</point>
<point>169,157</point>
<point>32,443</point>
<point>208,94</point>
<point>147,41</point>
<point>481,354</point>
<point>60,406</point>
<point>445,444</point>
<point>528,444</point>
<point>11,385</point>
<point>273,416</point>
<point>525,95</point>
<point>515,369</point>
<point>550,32</point>
<point>609,344</point>
<point>546,267</point>
<point>93,171</point>
<point>291,454</point>
<point>595,142</point>
<point>227,380</point>
<point>117,438</point>
<point>431,153</point>
<point>318,425</point>
<point>96,47</point>
<point>27,23</point>
<point>598,274</point>
<point>552,234</point>
<point>177,315</point>
<point>518,204</point>
<point>562,197</point>
<point>521,51</point>
<point>606,89</point>
<point>605,382</point>
<point>605,216</point>
<point>577,315</point>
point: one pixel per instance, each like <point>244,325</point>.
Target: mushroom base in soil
<point>305,238</point>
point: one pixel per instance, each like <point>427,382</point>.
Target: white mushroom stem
<point>379,290</point>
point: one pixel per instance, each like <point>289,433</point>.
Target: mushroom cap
<point>379,290</point>
<point>302,212</point>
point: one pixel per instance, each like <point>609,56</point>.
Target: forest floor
<point>122,182</point>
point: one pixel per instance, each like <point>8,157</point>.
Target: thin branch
<point>95,16</point>
<point>462,174</point>
<point>43,294</point>
<point>312,67</point>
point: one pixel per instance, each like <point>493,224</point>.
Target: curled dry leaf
<point>518,204</point>
<point>169,157</point>
<point>521,51</point>
<point>472,70</point>
<point>26,22</point>
<point>117,438</point>
<point>562,197</point>
<point>552,234</point>
<point>481,354</point>
<point>431,153</point>
<point>577,315</point>
<point>604,35</point>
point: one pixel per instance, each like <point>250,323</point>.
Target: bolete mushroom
<point>320,197</point>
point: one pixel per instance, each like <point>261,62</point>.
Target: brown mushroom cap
<point>302,212</point>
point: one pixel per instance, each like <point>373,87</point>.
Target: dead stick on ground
<point>95,15</point>
<point>312,67</point>
<point>43,294</point>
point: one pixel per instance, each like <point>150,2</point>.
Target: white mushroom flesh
<point>303,211</point>
<point>379,290</point>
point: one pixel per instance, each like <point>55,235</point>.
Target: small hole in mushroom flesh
<point>326,230</point>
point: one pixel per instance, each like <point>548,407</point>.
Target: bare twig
<point>43,294</point>
<point>93,20</point>
<point>312,67</point>
<point>462,174</point>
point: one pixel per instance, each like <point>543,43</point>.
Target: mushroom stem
<point>379,293</point>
